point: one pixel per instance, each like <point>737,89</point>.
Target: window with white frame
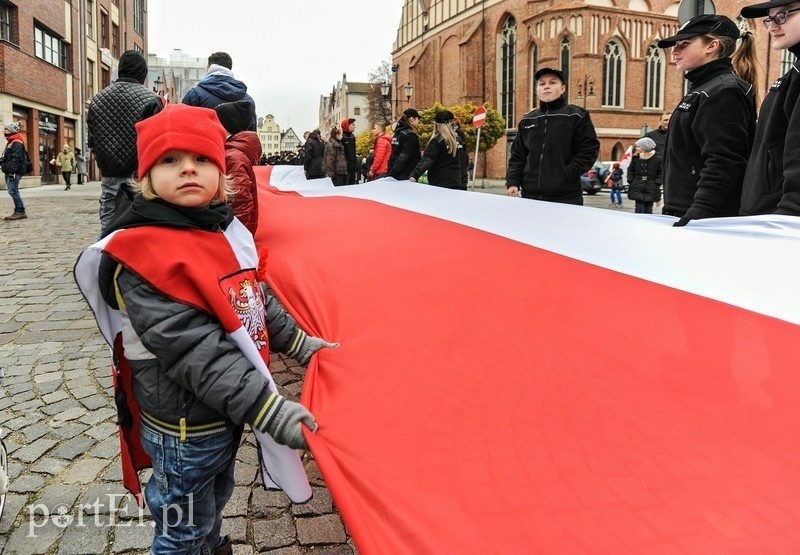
<point>90,19</point>
<point>507,46</point>
<point>613,70</point>
<point>654,77</point>
<point>50,48</point>
<point>5,22</point>
<point>138,16</point>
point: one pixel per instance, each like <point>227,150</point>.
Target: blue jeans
<point>191,483</point>
<point>616,192</point>
<point>643,207</point>
<point>12,183</point>
<point>109,187</point>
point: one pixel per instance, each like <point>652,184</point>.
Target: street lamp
<point>395,67</point>
<point>409,92</point>
<point>586,88</point>
<point>385,88</point>
<point>157,83</point>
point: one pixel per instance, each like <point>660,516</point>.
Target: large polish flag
<point>520,377</point>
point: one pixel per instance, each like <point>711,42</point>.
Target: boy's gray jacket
<point>211,377</point>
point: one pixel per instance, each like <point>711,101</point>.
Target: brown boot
<point>16,216</point>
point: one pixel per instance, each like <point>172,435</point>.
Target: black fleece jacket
<point>555,144</point>
<point>708,141</point>
<point>405,151</point>
<point>772,181</point>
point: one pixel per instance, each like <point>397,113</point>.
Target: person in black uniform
<point>555,144</point>
<point>443,157</point>
<point>712,128</point>
<point>772,180</point>
<point>405,146</point>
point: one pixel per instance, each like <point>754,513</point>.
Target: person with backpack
<point>616,185</point>
<point>14,165</point>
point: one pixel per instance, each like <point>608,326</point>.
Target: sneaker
<point>16,216</point>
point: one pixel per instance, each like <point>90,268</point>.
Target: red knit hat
<point>180,127</point>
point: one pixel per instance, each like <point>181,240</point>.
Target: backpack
<point>28,163</point>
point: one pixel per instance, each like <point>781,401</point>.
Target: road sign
<point>479,118</point>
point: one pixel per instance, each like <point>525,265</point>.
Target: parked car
<point>594,179</point>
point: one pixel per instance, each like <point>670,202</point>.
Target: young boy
<point>772,180</point>
<point>175,280</point>
<point>242,152</point>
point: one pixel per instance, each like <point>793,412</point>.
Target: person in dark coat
<point>313,152</point>
<point>14,165</point>
<point>334,161</point>
<point>443,155</point>
<point>712,128</point>
<point>111,121</point>
<point>242,151</point>
<point>772,179</point>
<point>405,146</point>
<point>218,85</point>
<point>644,176</point>
<point>555,144</point>
<point>659,134</point>
<point>349,144</point>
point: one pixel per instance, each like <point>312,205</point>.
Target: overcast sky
<point>288,53</point>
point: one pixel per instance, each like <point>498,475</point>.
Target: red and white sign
<point>479,118</point>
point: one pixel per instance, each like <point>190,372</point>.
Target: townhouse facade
<point>54,56</point>
<point>346,100</point>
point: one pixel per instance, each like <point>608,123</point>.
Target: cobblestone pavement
<point>57,412</point>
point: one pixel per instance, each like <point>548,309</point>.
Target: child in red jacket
<point>242,152</point>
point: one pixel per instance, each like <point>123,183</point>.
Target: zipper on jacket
<point>541,154</point>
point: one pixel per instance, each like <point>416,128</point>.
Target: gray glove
<point>285,426</point>
<point>309,346</point>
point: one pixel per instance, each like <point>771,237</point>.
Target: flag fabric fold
<point>520,377</point>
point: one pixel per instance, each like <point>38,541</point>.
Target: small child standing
<point>616,185</point>
<point>242,152</point>
<point>174,287</point>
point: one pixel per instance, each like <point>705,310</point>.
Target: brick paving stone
<point>323,529</point>
<point>85,471</point>
<point>132,537</point>
<point>236,528</point>
<point>89,538</point>
<point>57,495</point>
<point>73,448</point>
<point>50,466</point>
<point>27,483</point>
<point>54,397</point>
<point>321,503</point>
<point>95,402</point>
<point>239,502</point>
<point>269,534</point>
<point>32,452</point>
<point>293,550</point>
<point>268,504</point>
<point>107,449</point>
<point>68,430</point>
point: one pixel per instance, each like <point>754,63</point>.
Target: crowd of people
<point>710,157</point>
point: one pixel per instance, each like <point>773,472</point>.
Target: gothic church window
<point>507,46</point>
<point>654,77</point>
<point>613,69</point>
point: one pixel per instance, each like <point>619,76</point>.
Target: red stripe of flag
<point>492,397</point>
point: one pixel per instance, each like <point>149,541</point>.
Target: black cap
<point>236,116</point>
<point>549,70</point>
<point>444,116</point>
<point>706,24</point>
<point>762,9</point>
<point>133,66</point>
<point>410,113</point>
